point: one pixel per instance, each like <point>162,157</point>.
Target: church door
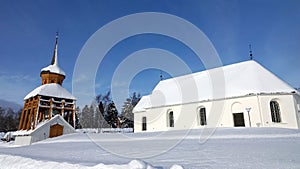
<point>238,120</point>
<point>56,130</point>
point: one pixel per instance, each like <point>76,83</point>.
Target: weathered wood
<point>48,77</point>
<point>56,130</point>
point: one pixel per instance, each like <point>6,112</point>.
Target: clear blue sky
<point>27,35</point>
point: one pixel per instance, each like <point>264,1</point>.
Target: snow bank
<point>176,167</point>
<point>232,148</point>
<point>105,130</point>
<point>15,162</point>
<point>2,134</point>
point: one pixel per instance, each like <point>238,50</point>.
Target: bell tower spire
<point>53,73</point>
<point>54,57</point>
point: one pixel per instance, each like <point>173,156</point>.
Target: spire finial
<point>54,57</point>
<point>250,52</point>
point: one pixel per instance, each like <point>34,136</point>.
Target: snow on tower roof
<point>240,79</point>
<point>51,90</point>
<point>54,68</point>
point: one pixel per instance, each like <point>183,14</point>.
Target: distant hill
<point>8,104</point>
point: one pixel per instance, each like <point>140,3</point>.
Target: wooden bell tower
<point>49,99</point>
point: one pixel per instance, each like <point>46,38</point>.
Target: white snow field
<point>226,148</point>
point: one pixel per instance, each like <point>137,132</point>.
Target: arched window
<point>170,119</point>
<point>202,115</point>
<point>275,111</point>
<point>144,124</point>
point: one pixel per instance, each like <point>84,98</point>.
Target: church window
<point>170,119</point>
<point>202,116</point>
<point>275,111</point>
<point>144,124</point>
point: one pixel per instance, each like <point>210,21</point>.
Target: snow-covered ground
<point>226,148</point>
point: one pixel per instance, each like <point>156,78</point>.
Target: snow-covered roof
<point>52,90</point>
<point>54,69</point>
<point>42,124</point>
<point>142,104</point>
<point>239,79</point>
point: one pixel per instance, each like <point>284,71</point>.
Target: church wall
<point>297,108</point>
<point>187,116</point>
<point>23,140</point>
<point>240,105</point>
<point>220,113</point>
<point>287,111</point>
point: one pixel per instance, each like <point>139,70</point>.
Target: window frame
<point>144,123</point>
<point>275,111</point>
<point>202,116</point>
<point>170,119</point>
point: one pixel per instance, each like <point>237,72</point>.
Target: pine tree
<point>85,117</point>
<point>99,120</point>
<point>127,117</point>
<point>92,116</point>
<point>112,115</point>
<point>97,117</point>
<point>135,99</point>
<point>108,110</point>
<point>77,118</point>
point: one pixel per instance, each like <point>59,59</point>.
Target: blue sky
<point>27,31</point>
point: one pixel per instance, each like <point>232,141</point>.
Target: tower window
<point>275,112</point>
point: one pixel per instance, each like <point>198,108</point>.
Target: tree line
<point>9,119</point>
<point>102,113</point>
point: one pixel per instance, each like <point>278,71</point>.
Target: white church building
<point>239,95</point>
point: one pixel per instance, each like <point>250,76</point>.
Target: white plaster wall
<point>220,113</point>
<point>23,140</point>
<point>239,105</point>
<point>297,108</point>
<point>43,132</point>
<point>287,111</point>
